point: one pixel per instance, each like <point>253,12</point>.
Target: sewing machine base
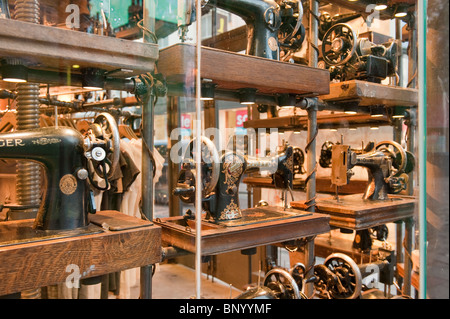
<point>217,238</point>
<point>260,215</point>
<point>21,231</point>
<point>13,233</point>
<point>135,243</point>
<point>352,212</point>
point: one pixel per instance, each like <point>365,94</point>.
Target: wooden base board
<point>323,185</point>
<point>217,239</point>
<point>42,263</point>
<point>368,93</point>
<point>352,212</point>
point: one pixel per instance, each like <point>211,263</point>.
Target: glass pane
<point>323,128</point>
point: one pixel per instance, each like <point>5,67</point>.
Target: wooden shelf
<point>56,49</point>
<point>300,122</point>
<point>323,185</point>
<point>368,93</point>
<point>352,212</point>
<point>233,71</point>
<point>35,264</point>
<point>218,239</point>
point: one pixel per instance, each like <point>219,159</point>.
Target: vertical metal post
<point>147,166</point>
<point>409,233</point>
<point>411,145</point>
<point>310,149</point>
<point>412,74</point>
<point>401,65</point>
<point>399,249</point>
<point>198,180</point>
<point>147,187</point>
<point>398,125</point>
<point>173,122</point>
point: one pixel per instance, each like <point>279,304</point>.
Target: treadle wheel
<point>282,283</point>
<point>349,285</point>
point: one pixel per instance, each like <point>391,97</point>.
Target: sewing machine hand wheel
<point>398,155</point>
<point>325,154</point>
<point>107,130</point>
<point>339,44</point>
<point>292,32</point>
<point>299,160</point>
<point>210,171</point>
<point>349,279</point>
<point>280,281</point>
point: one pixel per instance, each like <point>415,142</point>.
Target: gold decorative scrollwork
<point>233,168</point>
<point>231,211</point>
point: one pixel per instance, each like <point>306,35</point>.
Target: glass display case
<point>288,149</point>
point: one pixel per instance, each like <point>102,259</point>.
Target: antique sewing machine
<point>388,165</point>
<point>221,178</point>
<point>350,58</point>
<point>339,277</point>
<point>326,152</point>
<point>69,159</point>
<point>271,25</point>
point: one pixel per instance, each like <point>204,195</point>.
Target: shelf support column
<point>311,146</point>
<point>147,146</point>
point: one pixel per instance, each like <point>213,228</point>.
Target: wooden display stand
<point>368,94</point>
<point>217,239</point>
<point>323,184</point>
<point>352,212</point>
<point>121,242</point>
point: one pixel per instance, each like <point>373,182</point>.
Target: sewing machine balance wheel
<point>398,155</point>
<point>109,132</point>
<point>339,44</point>
<point>292,32</point>
<point>349,285</point>
<point>281,282</point>
<point>299,160</point>
<point>210,163</point>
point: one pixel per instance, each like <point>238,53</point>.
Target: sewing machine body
<point>263,21</point>
<point>271,25</point>
<point>61,152</point>
<point>233,166</point>
<point>67,157</point>
<point>386,169</point>
<point>221,201</point>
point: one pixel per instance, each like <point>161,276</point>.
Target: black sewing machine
<point>350,58</point>
<point>69,159</point>
<point>221,176</point>
<point>272,26</point>
<point>388,166</point>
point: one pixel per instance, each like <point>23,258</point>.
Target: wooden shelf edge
<point>38,264</point>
